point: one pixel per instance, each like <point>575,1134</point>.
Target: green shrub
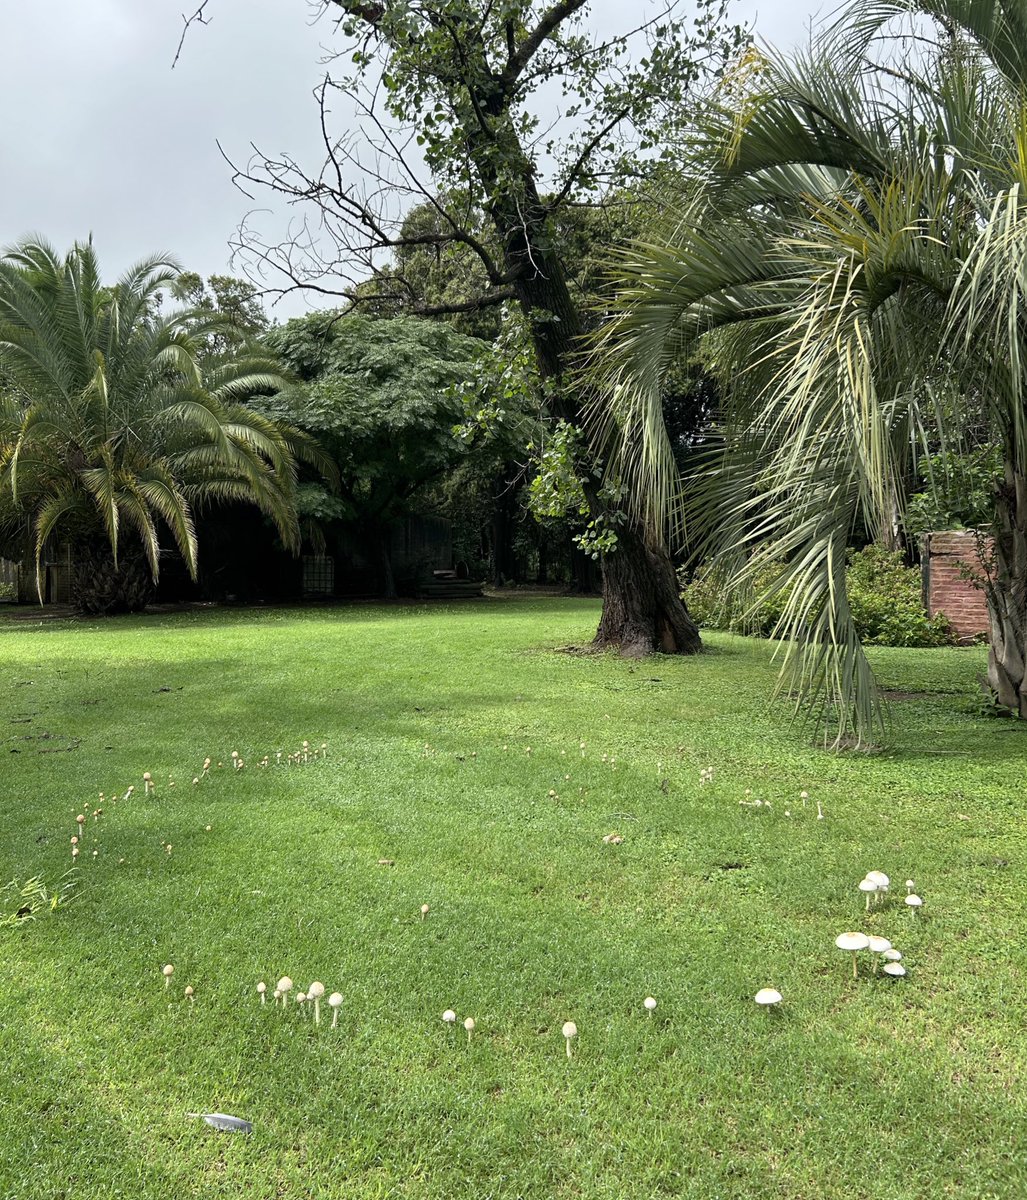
<point>886,601</point>
<point>884,596</point>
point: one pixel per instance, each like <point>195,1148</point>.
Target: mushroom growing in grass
<point>469,1026</point>
<point>424,911</point>
<point>449,1017</point>
<point>147,783</point>
<point>285,987</point>
<point>767,997</point>
<point>869,889</point>
<point>877,945</point>
<point>189,994</point>
<point>892,955</point>
<point>650,1005</point>
<point>276,995</point>
<point>261,990</point>
<point>80,821</point>
<point>913,902</point>
<point>853,942</point>
<point>895,969</point>
<point>910,885</point>
<point>315,992</point>
<point>570,1031</point>
<point>167,972</point>
<point>335,1003</point>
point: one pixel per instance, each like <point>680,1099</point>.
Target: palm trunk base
<point>101,588</point>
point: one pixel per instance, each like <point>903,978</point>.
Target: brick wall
<point>945,589</point>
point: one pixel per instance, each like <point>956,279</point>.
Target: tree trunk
<point>99,588</point>
<point>504,563</point>
<point>1007,596</point>
<point>642,608</point>
<point>387,575</point>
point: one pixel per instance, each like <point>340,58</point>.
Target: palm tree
<point>108,432</point>
<point>851,245</point>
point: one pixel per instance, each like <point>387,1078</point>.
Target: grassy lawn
<point>853,1088</point>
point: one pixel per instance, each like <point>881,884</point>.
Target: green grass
<point>864,1088</point>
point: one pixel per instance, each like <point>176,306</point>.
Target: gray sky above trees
<point>101,135</point>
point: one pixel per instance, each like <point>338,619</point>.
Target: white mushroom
<point>261,989</point>
<point>868,887</point>
<point>650,1005</point>
<point>877,945</point>
<point>285,987</point>
<point>167,972</point>
<point>892,955</point>
<point>449,1016</point>
<point>424,911</point>
<point>880,879</point>
<point>914,902</point>
<point>910,885</point>
<point>852,942</point>
<point>189,994</point>
<point>767,997</point>
<point>894,969</point>
<point>570,1031</point>
<point>315,992</point>
<point>335,1003</point>
<point>469,1026</point>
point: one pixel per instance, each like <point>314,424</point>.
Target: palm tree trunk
<point>100,588</point>
<point>1007,595</point>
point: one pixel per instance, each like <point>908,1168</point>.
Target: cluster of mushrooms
<point>313,995</point>
<point>875,885</point>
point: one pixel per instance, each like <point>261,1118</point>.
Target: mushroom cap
<point>852,941</point>
<point>767,996</point>
<point>316,990</point>
<point>284,984</point>
<point>424,908</point>
<point>879,878</point>
<point>910,884</point>
<point>868,885</point>
<point>893,955</point>
<point>878,944</point>
<point>189,991</point>
<point>262,988</point>
<point>276,994</point>
<point>81,818</point>
<point>335,999</point>
<point>147,775</point>
<point>168,971</point>
<point>449,1016</point>
<point>894,969</point>
<point>570,1029</point>
<point>914,901</point>
<point>469,1024</point>
<point>649,1002</point>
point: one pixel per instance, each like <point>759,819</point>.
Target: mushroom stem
<point>568,1041</point>
<point>855,966</point>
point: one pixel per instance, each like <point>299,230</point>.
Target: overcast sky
<point>100,134</point>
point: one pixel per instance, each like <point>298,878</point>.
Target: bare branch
<point>187,22</point>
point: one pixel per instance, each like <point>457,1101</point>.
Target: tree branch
<point>548,22</point>
<point>196,19</point>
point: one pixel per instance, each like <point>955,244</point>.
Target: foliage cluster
<point>883,593</point>
<point>959,491</point>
